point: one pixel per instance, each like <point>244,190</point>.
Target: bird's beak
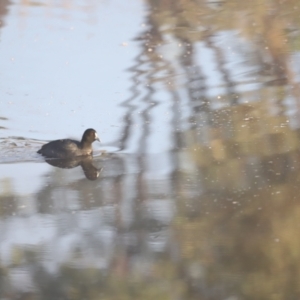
<point>97,138</point>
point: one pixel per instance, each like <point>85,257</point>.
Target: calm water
<point>193,192</point>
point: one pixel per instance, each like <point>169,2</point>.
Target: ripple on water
<point>19,149</point>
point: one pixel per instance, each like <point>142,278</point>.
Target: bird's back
<point>61,149</point>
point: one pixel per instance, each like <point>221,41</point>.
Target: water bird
<point>67,148</point>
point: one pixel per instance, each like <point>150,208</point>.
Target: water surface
<point>193,192</point>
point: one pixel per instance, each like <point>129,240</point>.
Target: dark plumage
<point>69,148</point>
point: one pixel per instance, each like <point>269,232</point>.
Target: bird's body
<point>67,148</point>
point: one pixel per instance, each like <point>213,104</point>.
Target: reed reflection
<point>242,149</point>
<point>3,10</point>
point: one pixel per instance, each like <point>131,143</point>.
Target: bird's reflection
<point>86,163</point>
